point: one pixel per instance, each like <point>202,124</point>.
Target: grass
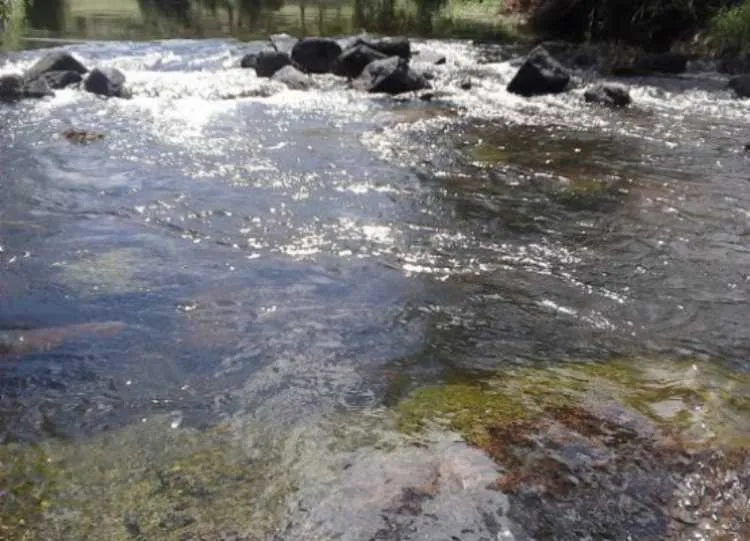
<point>730,30</point>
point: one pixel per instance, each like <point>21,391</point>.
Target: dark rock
<point>398,46</point>
<point>391,76</point>
<point>293,78</point>
<point>37,89</point>
<point>269,62</point>
<point>465,84</point>
<point>539,74</point>
<point>611,95</point>
<point>734,64</point>
<point>354,59</point>
<point>109,82</point>
<point>11,88</point>
<point>283,43</point>
<point>647,64</point>
<point>62,79</point>
<point>55,61</point>
<point>249,61</point>
<point>315,55</point>
<point>741,85</point>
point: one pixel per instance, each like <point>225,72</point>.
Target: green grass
<point>730,30</point>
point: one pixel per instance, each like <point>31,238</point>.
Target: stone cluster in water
<point>59,70</point>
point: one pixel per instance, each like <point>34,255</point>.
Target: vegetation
<point>730,29</point>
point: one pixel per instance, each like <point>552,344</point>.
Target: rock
<point>293,78</point>
<point>249,61</point>
<point>109,82</point>
<point>465,84</point>
<point>55,61</point>
<point>611,95</point>
<point>60,79</point>
<point>269,62</point>
<point>391,76</point>
<point>741,85</point>
<point>398,46</point>
<point>37,89</point>
<point>82,137</point>
<point>353,60</point>
<point>11,88</point>
<point>283,43</point>
<point>648,64</point>
<point>539,74</point>
<point>315,55</point>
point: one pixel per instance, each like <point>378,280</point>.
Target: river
<point>276,270</point>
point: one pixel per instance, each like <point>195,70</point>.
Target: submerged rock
<point>16,342</point>
<point>293,78</point>
<point>55,61</point>
<point>38,88</point>
<point>353,60</point>
<point>391,76</point>
<point>611,95</point>
<point>62,79</point>
<point>108,82</point>
<point>539,74</point>
<point>740,84</point>
<point>607,451</point>
<point>315,55</point>
<point>82,137</point>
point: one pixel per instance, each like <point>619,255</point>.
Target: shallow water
<point>270,256</point>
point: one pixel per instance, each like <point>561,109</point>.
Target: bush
<point>730,29</point>
<point>654,25</point>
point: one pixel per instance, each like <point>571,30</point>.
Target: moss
<point>468,409</point>
<point>698,402</point>
<point>27,485</point>
<point>157,483</point>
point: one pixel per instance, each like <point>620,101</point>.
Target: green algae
<point>27,485</point>
<point>697,402</point>
<point>117,271</point>
<point>148,481</point>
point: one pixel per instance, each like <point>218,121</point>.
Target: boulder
<point>353,60</point>
<point>398,46</point>
<point>391,76</point>
<point>539,74</point>
<point>39,88</point>
<point>109,82</point>
<point>55,61</point>
<point>11,88</point>
<point>283,43</point>
<point>741,85</point>
<point>315,55</point>
<point>465,83</point>
<point>611,95</point>
<point>249,61</point>
<point>293,78</point>
<point>61,79</point>
<point>269,62</point>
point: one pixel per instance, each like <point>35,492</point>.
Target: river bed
<point>234,298</point>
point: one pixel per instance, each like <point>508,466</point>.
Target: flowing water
<point>286,266</point>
